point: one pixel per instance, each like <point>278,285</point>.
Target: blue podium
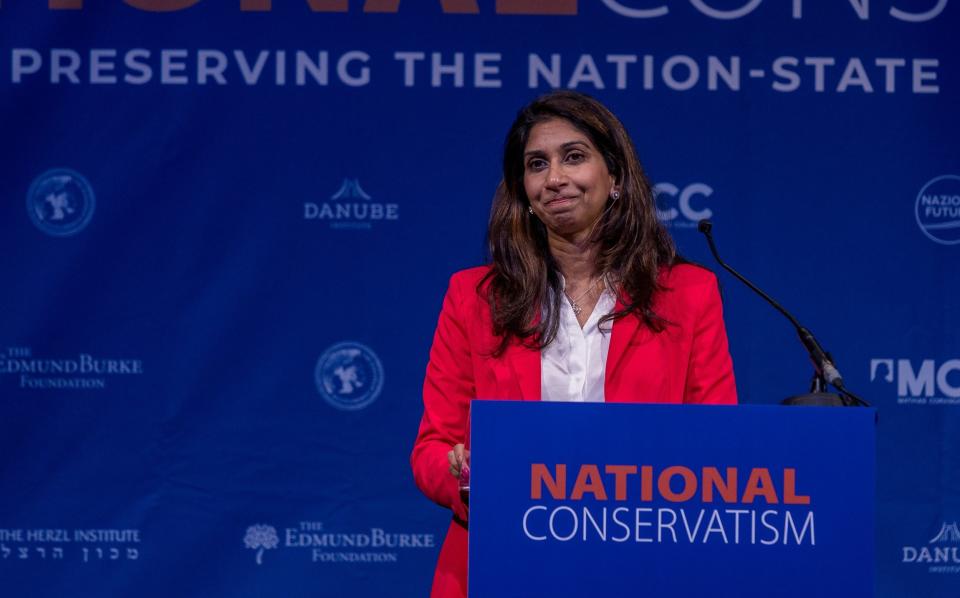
<point>668,500</point>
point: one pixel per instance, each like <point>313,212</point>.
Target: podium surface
<point>670,500</point>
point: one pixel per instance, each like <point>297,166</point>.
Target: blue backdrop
<point>228,225</point>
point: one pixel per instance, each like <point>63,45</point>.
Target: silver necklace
<point>575,303</point>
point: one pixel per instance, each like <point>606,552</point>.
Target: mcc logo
<point>923,383</point>
<point>688,211</point>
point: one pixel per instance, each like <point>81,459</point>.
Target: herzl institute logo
<point>941,552</point>
<point>937,209</point>
<point>349,376</point>
<point>352,208</point>
<point>60,202</point>
<point>43,547</point>
<point>261,537</point>
<point>920,382</point>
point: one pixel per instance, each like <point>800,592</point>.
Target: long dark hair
<point>523,286</point>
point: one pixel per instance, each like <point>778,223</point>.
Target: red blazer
<point>688,362</point>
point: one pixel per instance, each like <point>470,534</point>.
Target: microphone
<point>826,370</point>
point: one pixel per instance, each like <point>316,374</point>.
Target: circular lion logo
<point>349,376</point>
<point>60,202</point>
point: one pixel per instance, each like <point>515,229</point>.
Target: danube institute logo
<point>937,209</point>
<point>350,207</point>
<point>261,537</point>
<point>60,202</point>
<point>349,376</point>
<point>940,553</point>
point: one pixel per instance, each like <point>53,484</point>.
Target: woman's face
<point>565,178</point>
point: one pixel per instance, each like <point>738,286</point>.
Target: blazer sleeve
<point>447,390</point>
<point>710,372</point>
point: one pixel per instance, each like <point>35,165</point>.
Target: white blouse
<point>573,366</point>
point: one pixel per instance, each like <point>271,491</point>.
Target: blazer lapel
<point>626,331</point>
<point>525,363</point>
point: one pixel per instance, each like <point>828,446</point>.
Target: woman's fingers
<point>455,457</point>
<point>454,464</point>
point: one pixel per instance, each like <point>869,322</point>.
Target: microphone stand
<point>825,372</point>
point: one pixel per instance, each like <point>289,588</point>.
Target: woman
<point>585,300</point>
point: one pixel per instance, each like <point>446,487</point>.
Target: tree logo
<point>261,537</point>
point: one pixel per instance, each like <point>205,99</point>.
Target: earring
<point>615,195</point>
<point>530,209</point>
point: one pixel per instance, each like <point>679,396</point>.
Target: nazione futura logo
<point>937,209</point>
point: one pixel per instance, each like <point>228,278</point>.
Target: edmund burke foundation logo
<point>81,371</point>
<point>261,537</point>
<point>323,545</point>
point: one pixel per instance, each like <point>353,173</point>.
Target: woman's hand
<point>456,458</point>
